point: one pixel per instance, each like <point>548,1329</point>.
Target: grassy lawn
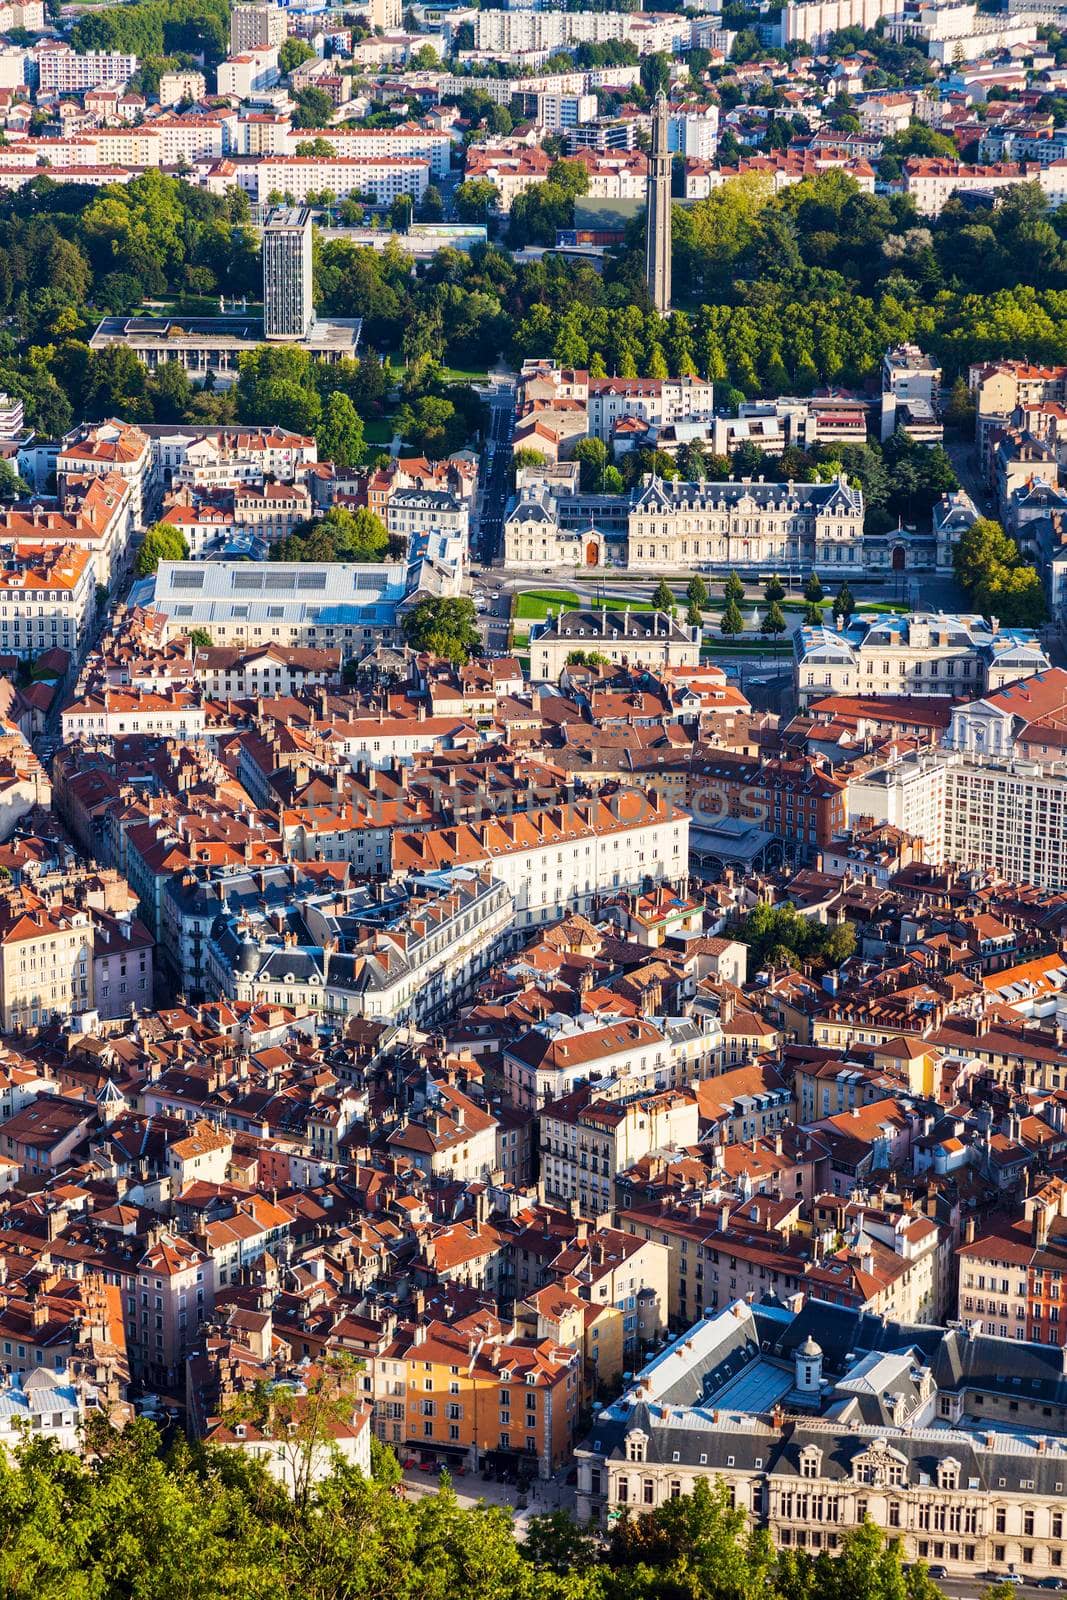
<point>744,647</point>
<point>463,375</point>
<point>378,431</point>
<point>533,605</point>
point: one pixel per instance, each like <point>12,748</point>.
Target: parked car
<point>938,1572</point>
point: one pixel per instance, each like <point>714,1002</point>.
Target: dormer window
<point>948,1474</point>
<point>810,1461</point>
<point>636,1446</point>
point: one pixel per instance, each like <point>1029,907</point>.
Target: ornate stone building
<point>818,1418</point>
<point>758,528</point>
<point>750,526</point>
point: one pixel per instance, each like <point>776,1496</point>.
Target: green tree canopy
<point>161,542</point>
<point>444,627</point>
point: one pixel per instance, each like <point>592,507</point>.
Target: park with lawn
<point>724,614</point>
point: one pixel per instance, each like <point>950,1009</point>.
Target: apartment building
<point>453,1139</point>
<point>511,171</point>
<point>586,1142</point>
<point>1003,815</point>
<point>923,653</point>
<point>715,1257</point>
<point>47,599</point>
<point>564,858</point>
<point>932,181</point>
<point>470,1396</point>
<point>113,713</point>
<point>205,458</point>
<point>417,970</point>
<point>46,963</point>
<point>167,1294</point>
<point>412,511</point>
<point>657,401</point>
<point>241,76</point>
<point>63,71</point>
<point>1012,1278</point>
<point>506,33</point>
<point>382,177</point>
<point>255,27</point>
<point>407,141</point>
<point>110,449</point>
<point>911,394</point>
<point>270,511</point>
<point>621,1055</point>
<point>266,670</point>
<point>183,84</point>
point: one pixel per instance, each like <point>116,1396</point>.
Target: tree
<point>694,616</point>
<point>697,591</point>
<point>400,213</point>
<point>556,1543</point>
<point>592,457</point>
<point>587,658</point>
<point>774,590</point>
<point>526,456</point>
<point>303,1424</point>
<point>733,589</point>
<point>293,51</point>
<point>200,639</point>
<point>12,487</point>
<point>844,605</point>
<point>731,622</point>
<point>656,73</point>
<point>340,535</point>
<point>170,392</point>
<point>431,207</point>
<point>162,542</point>
<point>314,108</point>
<point>444,627</point>
<point>692,462</point>
<point>663,598</point>
<point>432,425</point>
<point>773,623</point>
<point>813,590</point>
<point>475,200</point>
<point>340,433</point>
<point>839,944</point>
<point>812,615</point>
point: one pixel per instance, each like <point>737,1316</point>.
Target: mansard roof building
<point>819,1417</point>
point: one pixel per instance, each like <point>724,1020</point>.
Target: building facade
<point>288,306</point>
<point>817,1421</point>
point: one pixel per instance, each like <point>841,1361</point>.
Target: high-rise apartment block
<point>288,310</point>
<point>256,27</point>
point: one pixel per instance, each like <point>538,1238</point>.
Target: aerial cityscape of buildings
<point>533,761</point>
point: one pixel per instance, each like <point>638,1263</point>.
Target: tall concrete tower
<point>658,219</point>
<point>288,309</point>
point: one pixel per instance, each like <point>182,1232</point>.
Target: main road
<point>494,477</point>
